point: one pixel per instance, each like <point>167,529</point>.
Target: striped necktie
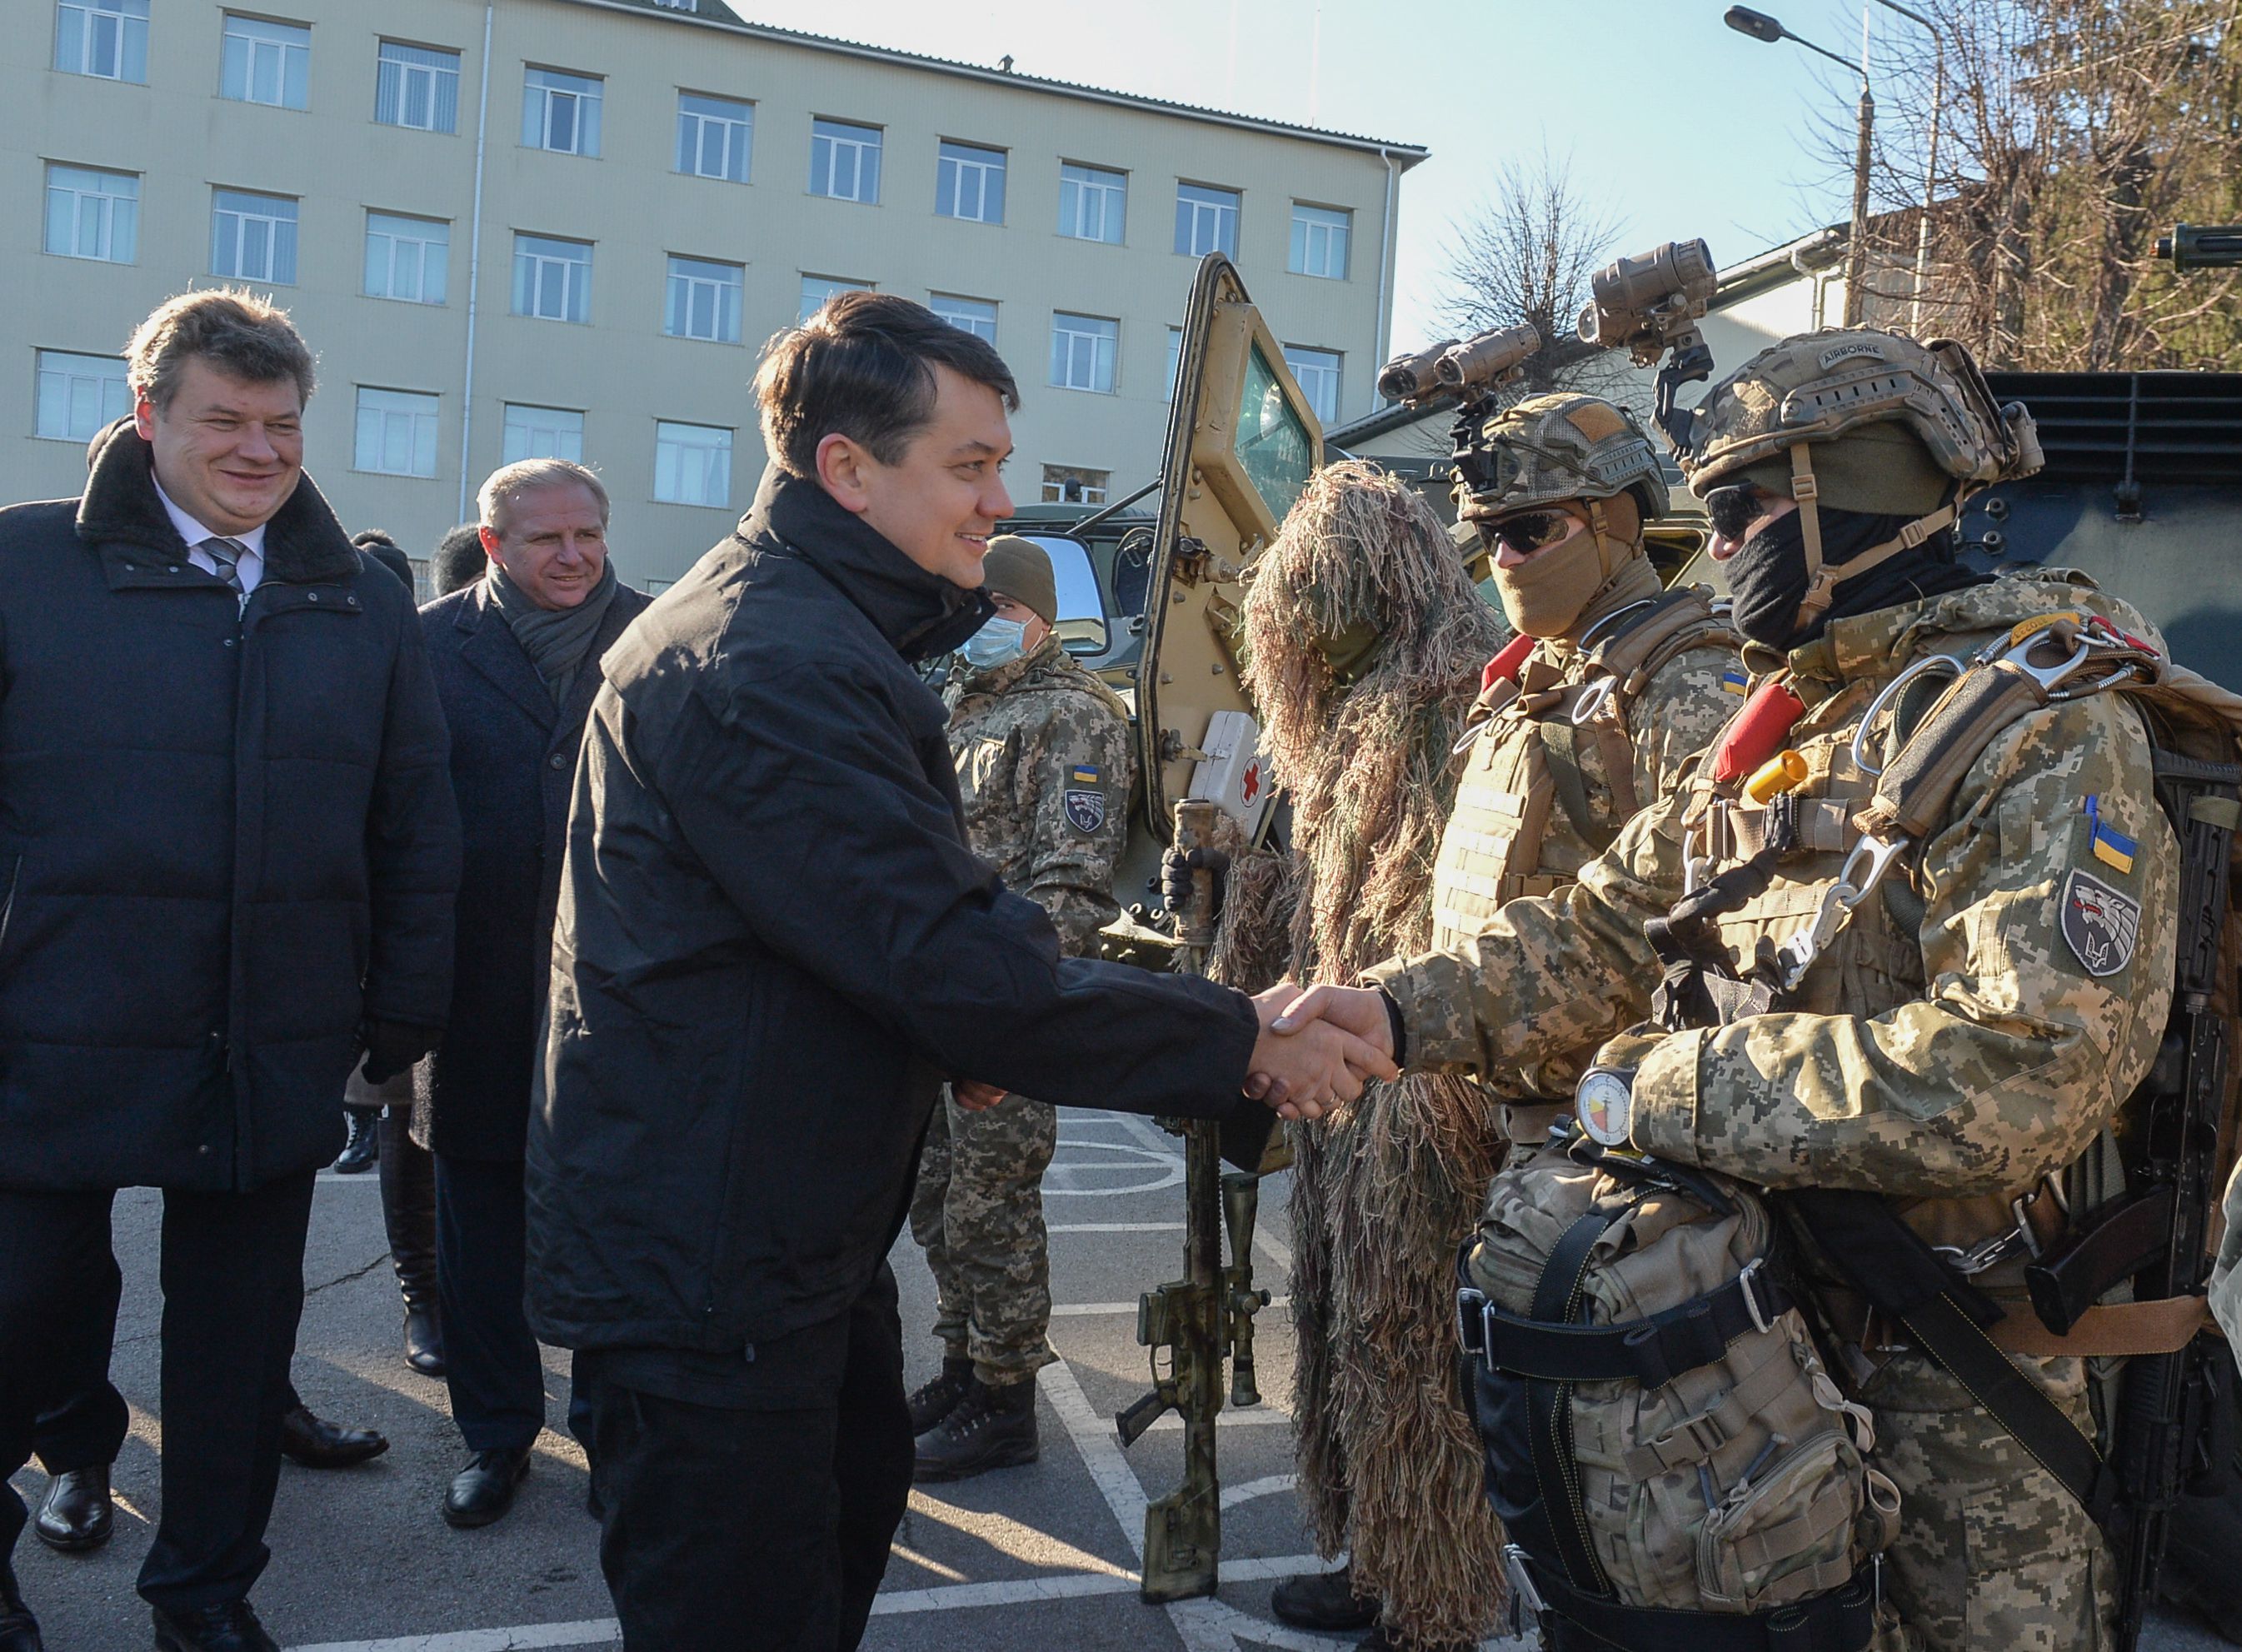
<point>227,553</point>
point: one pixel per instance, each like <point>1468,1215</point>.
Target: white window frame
<point>530,432</point>
<point>1092,201</point>
<point>114,213</point>
<point>696,126</point>
<point>1208,220</point>
<point>976,316</point>
<point>575,280</point>
<point>279,233</point>
<point>695,282</point>
<point>1081,356</point>
<point>966,176</point>
<point>102,39</point>
<point>1321,376</point>
<point>103,396</point>
<point>389,236</point>
<point>398,79</point>
<point>255,49</point>
<point>586,95</point>
<point>397,420</point>
<point>1323,239</point>
<point>825,287</point>
<point>832,141</point>
<point>684,465</point>
<point>1055,477</point>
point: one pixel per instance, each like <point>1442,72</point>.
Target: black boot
<point>989,1429</point>
<point>19,1630</point>
<point>231,1627</point>
<point>424,1340</point>
<point>484,1490</point>
<point>1323,1601</point>
<point>76,1514</point>
<point>409,1211</point>
<point>361,1151</point>
<point>313,1442</point>
<point>931,1402</point>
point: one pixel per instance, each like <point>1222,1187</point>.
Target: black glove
<point>1176,869</point>
<point>392,1047</point>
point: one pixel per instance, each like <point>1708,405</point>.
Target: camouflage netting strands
<point>1383,1192</point>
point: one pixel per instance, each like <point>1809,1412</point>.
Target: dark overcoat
<point>513,759</point>
<point>227,839</point>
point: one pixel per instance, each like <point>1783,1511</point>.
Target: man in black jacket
<point>229,851</point>
<point>774,944</point>
<point>516,656</point>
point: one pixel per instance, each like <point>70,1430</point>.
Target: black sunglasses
<point>1734,508</point>
<point>1532,530</point>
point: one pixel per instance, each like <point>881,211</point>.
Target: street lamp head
<point>1757,24</point>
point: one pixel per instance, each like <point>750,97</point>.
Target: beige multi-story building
<point>540,226</point>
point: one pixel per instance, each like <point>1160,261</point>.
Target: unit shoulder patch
<point>2099,923</point>
<point>1085,811</point>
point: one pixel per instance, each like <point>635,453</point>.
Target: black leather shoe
<point>309,1442</point>
<point>990,1428</point>
<point>19,1630</point>
<point>931,1401</point>
<point>484,1490</point>
<point>75,1514</point>
<point>231,1627</point>
<point>363,1151</point>
<point>1323,1601</point>
<point>424,1341</point>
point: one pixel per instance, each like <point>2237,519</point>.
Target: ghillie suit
<point>1365,641</point>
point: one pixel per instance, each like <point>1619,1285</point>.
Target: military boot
<point>1323,1601</point>
<point>989,1429</point>
<point>363,1151</point>
<point>931,1401</point>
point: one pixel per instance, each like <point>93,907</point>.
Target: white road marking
<point>1084,1310</point>
<point>1155,1139</point>
<point>1267,1486</point>
<point>1113,1227</point>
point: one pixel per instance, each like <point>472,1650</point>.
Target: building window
<point>105,39</point>
<point>976,316</point>
<point>561,112</point>
<point>396,432</point>
<point>1206,220</point>
<point>713,136</point>
<point>265,62</point>
<point>816,289</point>
<point>1082,352</point>
<point>1175,359</point>
<point>1093,203</point>
<point>79,394</point>
<point>407,258</point>
<point>542,433</point>
<point>845,161</point>
<point>253,236</point>
<point>1317,373</point>
<point>970,184</point>
<point>1072,485</point>
<point>417,86</point>
<point>692,464</point>
<point>704,300</point>
<point>552,278</point>
<point>1320,239</point>
<point>92,214</point>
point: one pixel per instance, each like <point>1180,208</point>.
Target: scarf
<point>1766,576</point>
<point>555,640</point>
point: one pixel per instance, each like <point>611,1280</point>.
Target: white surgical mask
<point>998,642</point>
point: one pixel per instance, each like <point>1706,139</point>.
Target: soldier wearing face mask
<point>1042,748</point>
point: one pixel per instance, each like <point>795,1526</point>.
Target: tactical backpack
<point>1673,1468</point>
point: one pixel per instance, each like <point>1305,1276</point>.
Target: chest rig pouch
<point>1673,1465</point>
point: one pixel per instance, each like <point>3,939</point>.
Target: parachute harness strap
<point>1822,578</point>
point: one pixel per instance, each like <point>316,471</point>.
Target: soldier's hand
<point>1360,1010</point>
<point>1308,1072</point>
<point>974,1096</point>
<point>1176,869</point>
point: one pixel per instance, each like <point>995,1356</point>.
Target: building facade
<point>566,226</point>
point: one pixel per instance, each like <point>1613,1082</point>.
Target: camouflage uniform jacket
<point>1512,831</point>
<point>1949,1044</point>
<point>1042,748</point>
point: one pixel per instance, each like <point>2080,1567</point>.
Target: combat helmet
<point>1920,429</point>
<point>1552,447</point>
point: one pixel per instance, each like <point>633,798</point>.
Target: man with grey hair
<point>230,856</point>
<point>516,657</point>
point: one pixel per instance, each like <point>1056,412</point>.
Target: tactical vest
<point>1550,777</point>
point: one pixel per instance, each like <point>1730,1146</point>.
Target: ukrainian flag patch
<point>1085,775</point>
<point>2111,846</point>
<point>1735,681</point>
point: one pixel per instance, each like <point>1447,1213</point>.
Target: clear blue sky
<point>1679,125</point>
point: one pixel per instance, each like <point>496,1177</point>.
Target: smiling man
<point>775,943</point>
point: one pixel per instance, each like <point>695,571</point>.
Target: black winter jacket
<point>513,763</point>
<point>774,942</point>
<point>226,837</point>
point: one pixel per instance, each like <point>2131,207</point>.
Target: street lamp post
<point>1759,26</point>
<point>1930,167</point>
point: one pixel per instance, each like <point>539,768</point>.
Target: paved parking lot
<point>1027,1559</point>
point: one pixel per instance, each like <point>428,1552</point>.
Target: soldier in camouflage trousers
<point>1962,1042</point>
<point>1042,748</point>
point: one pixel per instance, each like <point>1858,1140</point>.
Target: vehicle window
<point>1081,625</point>
<point>1272,442</point>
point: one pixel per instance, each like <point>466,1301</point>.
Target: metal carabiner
<point>1878,857</point>
<point>1592,701</point>
<point>1890,692</point>
<point>2048,677</point>
<point>1798,954</point>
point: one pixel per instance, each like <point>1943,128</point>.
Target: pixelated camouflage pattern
<point>978,1211</point>
<point>1018,734</point>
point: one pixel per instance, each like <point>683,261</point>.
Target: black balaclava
<point>1767,575</point>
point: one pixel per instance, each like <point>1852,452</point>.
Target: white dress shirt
<point>251,568</point>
